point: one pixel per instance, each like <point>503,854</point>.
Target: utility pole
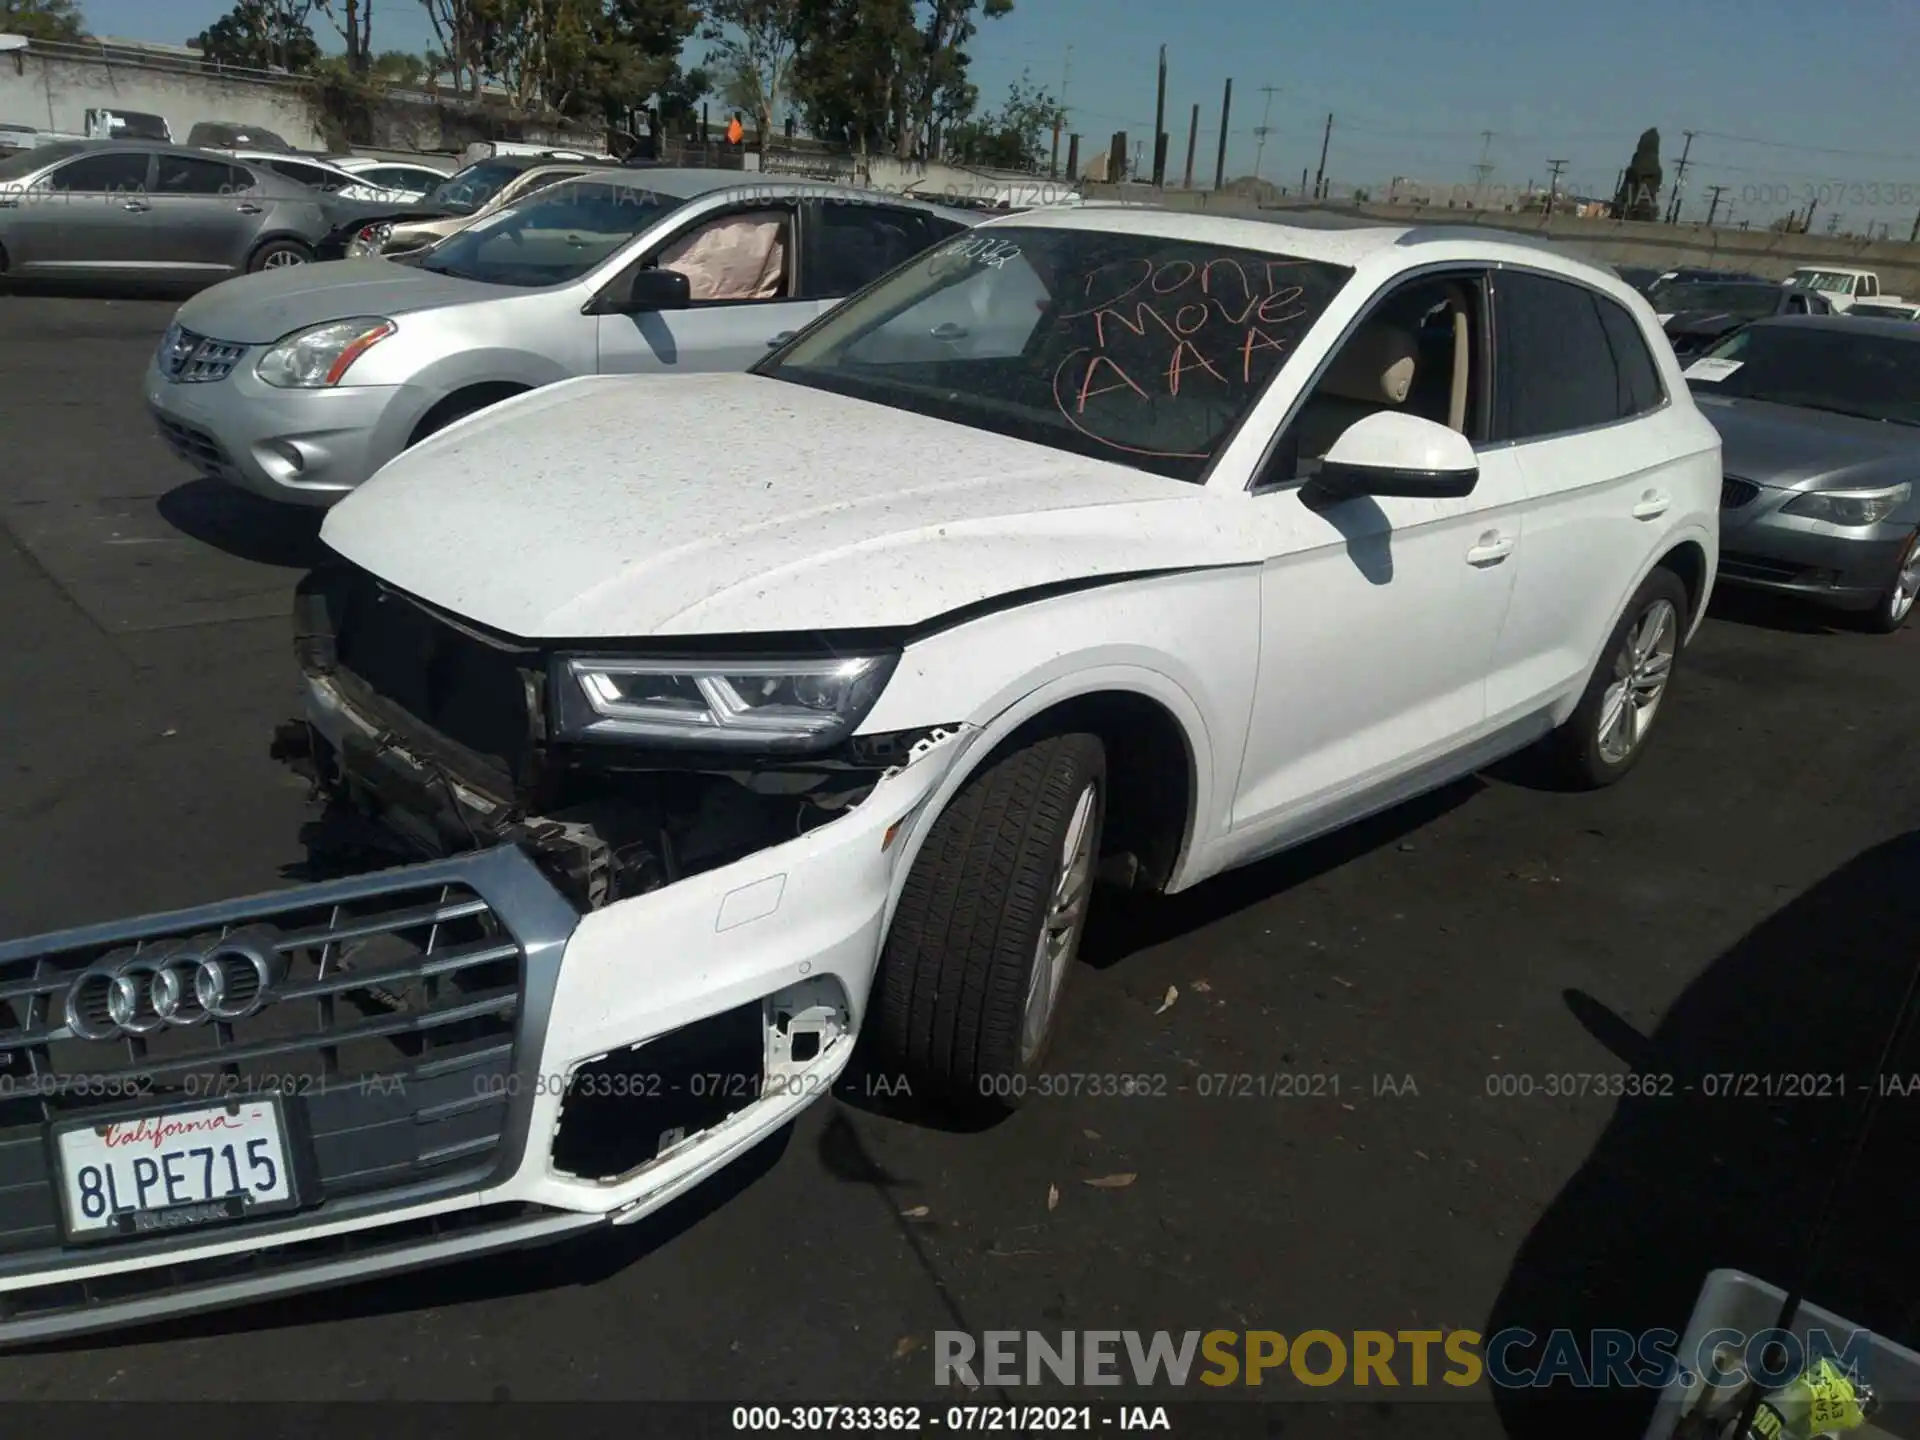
<point>1325,139</point>
<point>1679,175</point>
<point>1914,236</point>
<point>1262,130</point>
<point>1713,205</point>
<point>1060,116</point>
<point>1193,139</point>
<point>1226,111</point>
<point>1160,125</point>
<point>1554,167</point>
<point>1483,169</point>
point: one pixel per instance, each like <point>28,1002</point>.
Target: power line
<point>1262,130</point>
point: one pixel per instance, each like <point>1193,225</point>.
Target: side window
<point>1639,377</point>
<point>97,173</point>
<point>741,256</point>
<point>184,175</point>
<point>1418,351</point>
<point>1869,284</point>
<point>1555,370</point>
<point>853,243</point>
<point>319,177</point>
<point>1796,305</point>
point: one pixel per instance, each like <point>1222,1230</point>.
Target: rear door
<point>204,215</point>
<point>93,213</point>
<point>740,263</point>
<point>1579,399</point>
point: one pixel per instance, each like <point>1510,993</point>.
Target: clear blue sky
<point>1788,100</point>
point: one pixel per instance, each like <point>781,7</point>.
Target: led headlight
<point>1850,507</point>
<point>319,356</point>
<point>783,705</point>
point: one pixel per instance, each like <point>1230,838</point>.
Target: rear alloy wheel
<point>1893,608</point>
<point>278,254</point>
<point>989,924</point>
<point>1607,732</point>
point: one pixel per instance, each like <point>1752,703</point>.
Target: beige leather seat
<point>1373,372</point>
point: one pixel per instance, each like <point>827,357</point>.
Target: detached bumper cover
<point>795,928</point>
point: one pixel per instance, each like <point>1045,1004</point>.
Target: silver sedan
<point>299,385</point>
<point>91,209</point>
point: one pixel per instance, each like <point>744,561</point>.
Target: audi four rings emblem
<point>175,982</point>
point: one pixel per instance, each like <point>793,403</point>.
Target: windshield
<point>1131,348</point>
<point>467,190</point>
<point>1752,300</point>
<point>1831,281</point>
<point>556,236</point>
<point>1876,377</point>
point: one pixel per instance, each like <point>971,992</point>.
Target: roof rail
<point>1427,234</point>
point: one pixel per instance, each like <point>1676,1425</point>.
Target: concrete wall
<point>55,94</point>
<point>1764,252</point>
<point>53,87</point>
<point>929,181</point>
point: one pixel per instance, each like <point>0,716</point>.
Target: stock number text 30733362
<point>644,1085</point>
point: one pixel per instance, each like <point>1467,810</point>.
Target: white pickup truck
<point>1840,285</point>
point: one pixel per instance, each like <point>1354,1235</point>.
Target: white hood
<point>731,504</point>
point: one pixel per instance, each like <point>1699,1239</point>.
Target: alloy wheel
<point>1906,584</point>
<point>280,259</point>
<point>1065,920</point>
<point>1640,673</point>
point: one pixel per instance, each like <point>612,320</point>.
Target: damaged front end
<point>428,737</point>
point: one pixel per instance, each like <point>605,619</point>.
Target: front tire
<point>278,254</point>
<point>1890,612</point>
<point>967,997</point>
<point>1606,734</point>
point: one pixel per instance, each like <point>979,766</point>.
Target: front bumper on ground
<point>459,1158</point>
<point>1764,547</point>
<point>304,447</point>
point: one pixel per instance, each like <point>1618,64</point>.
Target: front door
<point>741,268</point>
<point>94,213</point>
<point>1379,616</point>
<point>203,215</point>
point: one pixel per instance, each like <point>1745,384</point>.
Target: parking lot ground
<point>1744,902</point>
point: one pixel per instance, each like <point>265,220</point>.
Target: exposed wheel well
<point>1689,562</point>
<point>1150,777</point>
<point>464,402</point>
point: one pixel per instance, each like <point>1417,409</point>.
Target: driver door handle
<point>780,339</point>
<point>948,331</point>
<point>247,207</point>
<point>1492,549</point>
<point>1652,506</point>
<point>135,205</point>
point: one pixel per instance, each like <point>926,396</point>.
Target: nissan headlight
<point>1850,507</point>
<point>766,705</point>
<point>369,241</point>
<point>321,355</point>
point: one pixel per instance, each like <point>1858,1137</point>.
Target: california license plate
<point>174,1169</point>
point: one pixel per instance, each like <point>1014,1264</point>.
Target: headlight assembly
<point>773,706</point>
<point>1850,507</point>
<point>320,356</point>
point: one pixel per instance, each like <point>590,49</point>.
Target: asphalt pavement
<point>1744,901</point>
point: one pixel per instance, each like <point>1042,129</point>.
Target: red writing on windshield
<point>1149,329</point>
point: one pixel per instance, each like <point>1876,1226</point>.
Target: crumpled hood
<point>734,504</point>
<point>260,308</point>
<point>1795,448</point>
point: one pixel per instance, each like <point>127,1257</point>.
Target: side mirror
<point>1391,453</point>
<point>646,292</point>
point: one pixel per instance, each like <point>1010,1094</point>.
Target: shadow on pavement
<point>1714,1169</point>
<point>1122,924</point>
<point>244,525</point>
<point>581,1260</point>
<point>1763,610</point>
<point>99,289</point>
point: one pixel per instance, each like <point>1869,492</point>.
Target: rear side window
<point>1639,377</point>
<point>184,175</point>
<point>1556,369</point>
<point>317,176</point>
<point>854,243</point>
